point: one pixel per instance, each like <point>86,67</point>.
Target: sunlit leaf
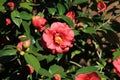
<point>32,60</point>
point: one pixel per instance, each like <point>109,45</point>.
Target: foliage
<point>96,39</point>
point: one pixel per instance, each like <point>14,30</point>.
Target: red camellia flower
<point>57,77</point>
<point>39,22</point>
<point>116,64</point>
<point>101,6</point>
<point>71,15</point>
<point>58,38</point>
<point>8,21</point>
<point>11,5</point>
<point>89,76</point>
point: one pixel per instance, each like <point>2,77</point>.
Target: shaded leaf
<point>116,54</point>
<point>51,10</point>
<point>90,30</point>
<point>44,72</point>
<point>26,5</point>
<point>79,1</point>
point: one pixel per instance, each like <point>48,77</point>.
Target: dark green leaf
<point>55,69</point>
<point>61,8</point>
<point>87,70</point>
<point>68,20</point>
<point>32,60</point>
<point>79,1</point>
<point>51,10</point>
<point>16,18</point>
<point>25,15</point>
<point>76,32</point>
<point>26,26</point>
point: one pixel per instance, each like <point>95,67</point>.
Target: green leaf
<point>26,26</point>
<point>55,69</point>
<point>79,1</point>
<point>116,54</point>
<point>68,20</point>
<point>76,32</point>
<point>7,52</point>
<point>32,60</point>
<point>44,72</point>
<point>50,58</point>
<point>26,5</point>
<point>90,30</point>
<point>51,10</point>
<point>87,70</point>
<point>25,15</point>
<point>16,18</point>
<point>61,9</point>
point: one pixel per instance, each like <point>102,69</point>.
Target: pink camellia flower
<point>71,15</point>
<point>116,64</point>
<point>8,21</point>
<point>101,6</point>
<point>11,5</point>
<point>39,22</point>
<point>57,77</point>
<point>58,38</point>
<point>88,76</point>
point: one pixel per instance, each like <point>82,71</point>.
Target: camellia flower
<point>89,76</point>
<point>116,64</point>
<point>71,15</point>
<point>58,38</point>
<point>101,6</point>
<point>39,22</point>
<point>11,5</point>
<point>57,77</point>
<point>8,21</point>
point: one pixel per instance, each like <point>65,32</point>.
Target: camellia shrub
<point>59,40</point>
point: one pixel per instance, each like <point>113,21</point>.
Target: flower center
<point>58,39</point>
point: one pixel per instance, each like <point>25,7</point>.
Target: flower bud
<point>57,77</point>
<point>26,43</point>
<point>31,69</point>
<point>8,21</point>
<point>11,5</point>
<point>101,6</point>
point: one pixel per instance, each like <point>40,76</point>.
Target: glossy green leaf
<point>52,10</point>
<point>25,15</point>
<point>68,20</point>
<point>16,18</point>
<point>7,52</point>
<point>79,1</point>
<point>61,8</point>
<point>32,60</point>
<point>26,5</point>
<point>44,72</point>
<point>55,69</point>
<point>87,70</point>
